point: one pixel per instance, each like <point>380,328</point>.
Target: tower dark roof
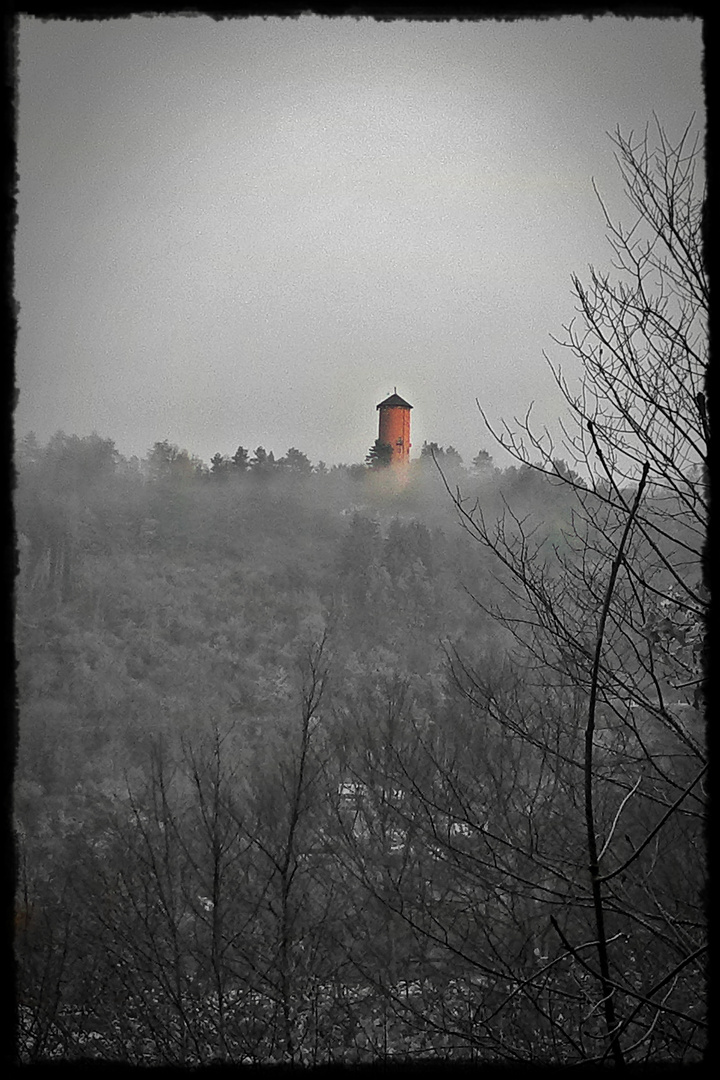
<point>394,400</point>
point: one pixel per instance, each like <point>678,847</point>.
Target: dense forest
<point>283,785</point>
<point>346,764</point>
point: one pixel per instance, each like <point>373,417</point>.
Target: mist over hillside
<point>396,760</point>
<point>274,742</point>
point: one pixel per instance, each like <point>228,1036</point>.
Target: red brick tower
<point>395,427</point>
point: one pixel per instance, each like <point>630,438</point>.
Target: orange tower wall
<point>395,431</point>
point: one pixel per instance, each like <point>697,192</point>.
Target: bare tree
<point>284,790</point>
<point>615,616</point>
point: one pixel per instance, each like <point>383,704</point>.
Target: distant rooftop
<point>394,399</point>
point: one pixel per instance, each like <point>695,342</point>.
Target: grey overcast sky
<point>250,231</point>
